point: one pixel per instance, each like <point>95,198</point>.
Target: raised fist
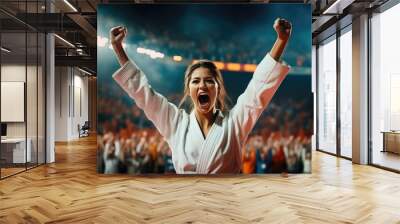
<point>283,28</point>
<point>117,35</point>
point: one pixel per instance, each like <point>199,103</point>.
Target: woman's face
<point>203,89</point>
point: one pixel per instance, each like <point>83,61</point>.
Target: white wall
<point>33,127</point>
<point>81,96</point>
<point>12,73</point>
<point>16,73</point>
<point>71,94</point>
<point>61,103</point>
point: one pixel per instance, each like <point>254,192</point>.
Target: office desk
<point>391,141</point>
<point>13,150</point>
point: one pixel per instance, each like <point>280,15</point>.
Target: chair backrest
<point>86,125</point>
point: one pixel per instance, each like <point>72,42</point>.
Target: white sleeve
<point>117,148</point>
<point>266,79</point>
<point>163,114</point>
<point>286,152</point>
<point>105,152</point>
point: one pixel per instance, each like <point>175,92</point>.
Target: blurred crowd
<point>145,151</point>
<point>141,152</point>
<point>276,154</point>
<point>129,143</point>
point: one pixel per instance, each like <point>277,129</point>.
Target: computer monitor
<point>3,129</point>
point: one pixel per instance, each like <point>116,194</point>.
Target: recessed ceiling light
<point>84,71</point>
<point>70,5</point>
<point>65,41</point>
<point>5,50</point>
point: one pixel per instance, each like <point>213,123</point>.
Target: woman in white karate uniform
<point>209,139</point>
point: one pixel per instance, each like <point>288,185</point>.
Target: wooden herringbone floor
<point>70,191</point>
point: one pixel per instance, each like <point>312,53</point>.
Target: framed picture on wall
<point>204,88</point>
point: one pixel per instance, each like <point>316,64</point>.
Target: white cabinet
<point>17,148</point>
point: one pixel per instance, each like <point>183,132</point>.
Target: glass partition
<point>22,90</point>
<point>14,151</point>
<point>346,93</point>
<point>41,91</point>
<point>31,100</point>
<point>327,96</point>
<point>385,89</point>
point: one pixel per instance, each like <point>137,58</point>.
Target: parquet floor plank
<point>70,191</point>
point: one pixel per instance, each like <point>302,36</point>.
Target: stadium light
<point>233,66</point>
<point>155,55</point>
<point>177,58</point>
<point>5,50</point>
<point>124,45</point>
<point>230,66</point>
<point>102,41</point>
<point>140,50</point>
<point>219,65</point>
<point>151,53</point>
<point>249,67</point>
<point>70,5</point>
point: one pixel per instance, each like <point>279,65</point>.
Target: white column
<point>50,92</point>
<point>360,90</point>
<point>50,100</point>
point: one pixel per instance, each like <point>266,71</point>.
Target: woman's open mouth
<point>204,100</point>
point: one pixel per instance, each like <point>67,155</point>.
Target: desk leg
<point>384,142</point>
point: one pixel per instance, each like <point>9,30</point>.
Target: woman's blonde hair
<point>214,71</point>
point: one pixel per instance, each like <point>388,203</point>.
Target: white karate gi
<point>220,151</point>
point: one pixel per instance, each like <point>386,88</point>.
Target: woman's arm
<point>117,35</point>
<point>283,29</point>
<point>267,77</point>
<point>164,115</point>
